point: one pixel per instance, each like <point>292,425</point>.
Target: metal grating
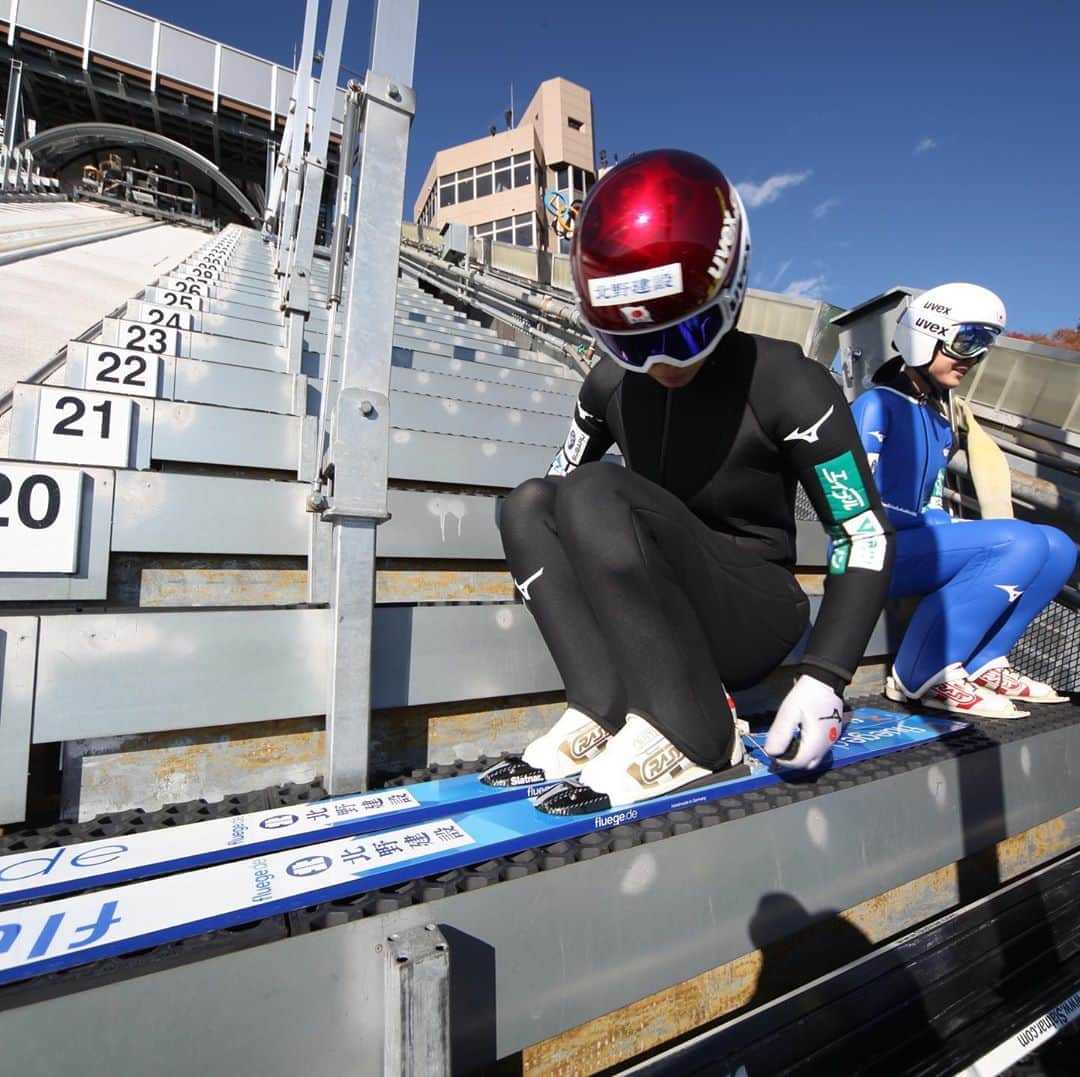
<point>803,509</point>
<point>1050,648</point>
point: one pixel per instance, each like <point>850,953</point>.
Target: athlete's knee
<point>593,519</point>
<point>585,494</point>
<point>1020,545</point>
<point>1061,552</point>
<point>526,506</point>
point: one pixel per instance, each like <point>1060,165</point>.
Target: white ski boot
<point>954,692</point>
<point>999,677</point>
<point>562,751</point>
<point>638,763</point>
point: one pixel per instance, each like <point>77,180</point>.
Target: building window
<point>519,231</point>
<point>502,174</point>
<point>573,182</point>
<point>522,169</point>
<point>446,190</point>
<point>574,125</point>
<point>483,180</point>
<point>523,230</point>
<point>428,212</point>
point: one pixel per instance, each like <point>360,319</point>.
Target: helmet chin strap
<point>929,388</point>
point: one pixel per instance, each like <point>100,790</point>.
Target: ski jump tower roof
<point>94,61</point>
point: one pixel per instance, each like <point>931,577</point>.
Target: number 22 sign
<point>115,370</point>
<point>83,428</point>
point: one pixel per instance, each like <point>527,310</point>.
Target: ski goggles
<point>970,342</point>
<point>678,345</point>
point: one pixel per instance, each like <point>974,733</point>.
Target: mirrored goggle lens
<point>971,341</point>
<point>679,344</point>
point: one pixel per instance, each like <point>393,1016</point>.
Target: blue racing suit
<point>983,581</point>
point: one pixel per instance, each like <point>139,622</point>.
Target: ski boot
<point>563,750</point>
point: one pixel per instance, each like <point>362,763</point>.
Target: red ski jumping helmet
<point>660,258</point>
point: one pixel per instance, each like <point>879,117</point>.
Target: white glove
<point>811,711</point>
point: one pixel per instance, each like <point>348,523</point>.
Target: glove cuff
<point>827,676</point>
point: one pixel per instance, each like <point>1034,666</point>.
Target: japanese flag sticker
<point>635,315</point>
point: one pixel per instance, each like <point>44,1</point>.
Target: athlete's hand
<point>806,725</point>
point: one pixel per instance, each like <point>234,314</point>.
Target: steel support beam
<point>320,551</point>
<point>298,108</point>
<point>11,113</point>
<point>11,118</point>
<point>367,351</point>
<point>417,991</point>
<point>342,212</point>
<point>297,301</point>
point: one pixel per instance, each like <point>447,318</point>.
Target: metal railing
<point>349,496</point>
<point>126,183</point>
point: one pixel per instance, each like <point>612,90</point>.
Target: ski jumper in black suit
<point>658,585</point>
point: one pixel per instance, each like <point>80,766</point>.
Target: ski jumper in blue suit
<point>984,581</point>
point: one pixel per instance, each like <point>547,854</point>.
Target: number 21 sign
<point>83,428</point>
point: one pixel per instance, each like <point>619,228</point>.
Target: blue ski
<point>76,930</point>
<point>48,872</point>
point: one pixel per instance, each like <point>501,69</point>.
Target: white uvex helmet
<point>963,317</point>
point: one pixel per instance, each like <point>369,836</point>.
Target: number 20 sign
<point>39,518</point>
<point>83,428</point>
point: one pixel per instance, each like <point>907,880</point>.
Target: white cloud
<point>784,267</point>
<point>926,143</point>
<point>811,287</point>
<point>760,194</point>
<point>823,207</point>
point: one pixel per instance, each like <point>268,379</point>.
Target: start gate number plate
<point>39,518</point>
<point>83,428</point>
<point>116,370</point>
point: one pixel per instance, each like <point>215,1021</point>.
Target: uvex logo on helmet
<point>929,326</point>
<point>721,267</point>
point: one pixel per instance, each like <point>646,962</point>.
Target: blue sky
<point>874,144</point>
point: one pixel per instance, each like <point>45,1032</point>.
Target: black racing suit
<point>658,585</point>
